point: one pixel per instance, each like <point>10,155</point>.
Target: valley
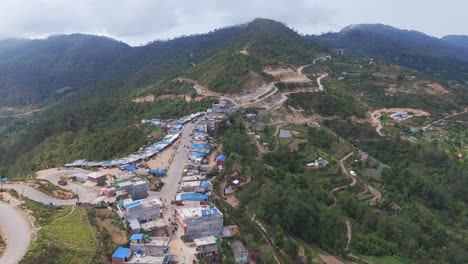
<point>311,153</point>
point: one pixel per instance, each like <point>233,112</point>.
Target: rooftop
<point>145,203</point>
<point>205,241</point>
<point>197,211</point>
<point>155,223</point>
<point>188,196</point>
<point>193,178</point>
<point>237,247</point>
<point>121,253</point>
<point>96,174</point>
<point>284,133</point>
<point>142,258</point>
<point>155,241</point>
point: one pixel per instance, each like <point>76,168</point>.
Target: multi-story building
<point>200,221</point>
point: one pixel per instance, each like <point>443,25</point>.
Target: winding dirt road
<point>17,231</point>
<point>23,114</point>
<point>345,171</point>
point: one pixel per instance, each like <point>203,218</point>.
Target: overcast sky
<point>140,21</point>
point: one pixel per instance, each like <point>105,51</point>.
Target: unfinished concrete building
<point>207,247</point>
<point>142,210</point>
<point>200,221</point>
<point>149,245</point>
<point>195,186</point>
<point>137,189</point>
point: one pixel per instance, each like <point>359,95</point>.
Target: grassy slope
<point>66,236</point>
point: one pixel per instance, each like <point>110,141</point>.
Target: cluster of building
<point>318,163</point>
<point>200,222</point>
<point>144,153</point>
<point>398,116</point>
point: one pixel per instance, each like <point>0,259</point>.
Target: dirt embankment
<point>144,98</point>
<point>413,111</point>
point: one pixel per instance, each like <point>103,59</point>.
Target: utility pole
<point>78,196</point>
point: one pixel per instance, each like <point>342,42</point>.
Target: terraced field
<point>67,239</point>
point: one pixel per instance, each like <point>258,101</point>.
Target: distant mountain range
<point>45,70</point>
<point>445,57</point>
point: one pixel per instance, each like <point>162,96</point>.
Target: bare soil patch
<point>437,88</point>
<point>144,98</point>
<point>118,236</point>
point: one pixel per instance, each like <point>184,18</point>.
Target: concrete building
<point>191,199</point>
<point>200,221</point>
<point>241,254</point>
<point>80,176</point>
<point>141,210</point>
<point>193,178</point>
<point>126,256</point>
<point>156,227</point>
<point>207,247</point>
<point>137,189</point>
<point>195,186</point>
<point>149,245</point>
<point>97,177</point>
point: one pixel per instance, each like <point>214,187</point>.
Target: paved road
<point>87,194</point>
<point>36,195</point>
<point>174,173</point>
<point>17,232</point>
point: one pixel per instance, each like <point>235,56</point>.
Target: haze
<point>138,22</point>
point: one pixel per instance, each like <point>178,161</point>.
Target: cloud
<point>140,21</point>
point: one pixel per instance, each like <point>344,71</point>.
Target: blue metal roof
<point>122,253</point>
<point>198,145</point>
<point>136,237</point>
<point>221,157</point>
<point>204,184</point>
<point>200,196</point>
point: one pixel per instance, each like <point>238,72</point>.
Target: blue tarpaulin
<point>159,173</point>
<point>122,253</point>
<point>106,163</point>
<point>129,167</point>
<point>221,157</point>
<point>136,237</point>
<point>198,146</point>
<point>197,154</point>
<point>204,184</point>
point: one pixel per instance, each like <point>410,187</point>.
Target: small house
<point>97,177</point>
<point>121,255</point>
<point>220,160</point>
<point>240,252</point>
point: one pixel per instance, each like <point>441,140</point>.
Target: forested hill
<point>33,70</point>
<point>459,40</point>
<point>438,57</point>
<point>45,70</point>
<point>103,75</point>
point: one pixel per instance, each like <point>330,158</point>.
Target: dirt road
<point>345,171</point>
<point>23,114</point>
<point>86,194</point>
<point>445,117</point>
<point>17,231</point>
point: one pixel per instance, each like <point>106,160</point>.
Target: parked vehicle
<point>62,182</point>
